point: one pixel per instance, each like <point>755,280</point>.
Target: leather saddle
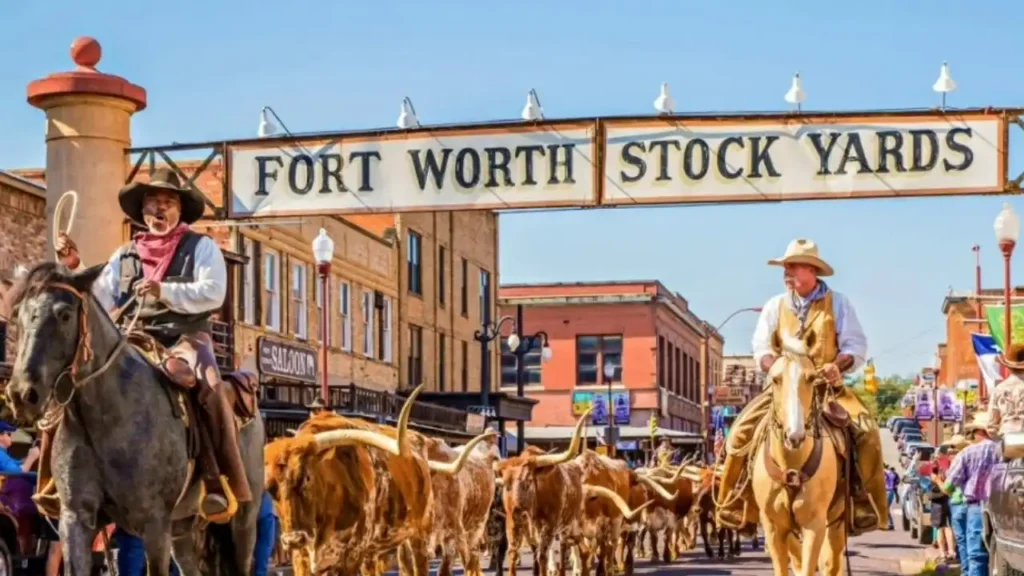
<point>242,386</point>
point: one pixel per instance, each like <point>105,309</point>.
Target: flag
<point>987,351</point>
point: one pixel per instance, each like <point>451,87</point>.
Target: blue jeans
<point>892,497</point>
<point>977,554</point>
<point>131,555</point>
<point>958,520</point>
<point>266,537</point>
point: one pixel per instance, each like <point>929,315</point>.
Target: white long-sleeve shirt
<point>852,340</point>
<point>204,294</point>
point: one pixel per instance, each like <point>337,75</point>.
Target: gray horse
<point>121,451</point>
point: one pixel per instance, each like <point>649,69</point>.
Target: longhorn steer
<point>544,498</point>
<point>348,491</point>
<point>668,517</point>
<point>462,504</point>
<point>604,521</point>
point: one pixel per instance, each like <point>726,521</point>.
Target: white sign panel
<point>665,160</point>
<point>548,165</point>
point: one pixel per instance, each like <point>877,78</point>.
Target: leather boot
<point>732,515</point>
<point>866,517</point>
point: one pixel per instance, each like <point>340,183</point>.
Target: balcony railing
<point>352,400</point>
<point>223,345</point>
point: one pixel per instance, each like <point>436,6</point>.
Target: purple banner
<point>923,408</point>
<point>948,409</point>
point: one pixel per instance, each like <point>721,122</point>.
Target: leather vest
<point>821,321</point>
<point>155,318</point>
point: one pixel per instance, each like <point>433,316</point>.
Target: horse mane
<point>793,345</point>
<point>39,275</point>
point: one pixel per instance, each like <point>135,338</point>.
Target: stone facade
<point>22,239</point>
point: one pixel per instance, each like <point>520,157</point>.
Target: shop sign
<point>747,160</point>
<point>472,168</point>
<point>287,360</point>
<point>731,395</point>
<point>583,400</point>
<point>671,160</point>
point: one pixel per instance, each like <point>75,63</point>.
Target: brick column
<point>88,128</point>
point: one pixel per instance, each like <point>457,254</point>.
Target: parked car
<point>910,429</point>
<point>1005,523</point>
<point>891,424</point>
<point>923,450</point>
<point>917,509</point>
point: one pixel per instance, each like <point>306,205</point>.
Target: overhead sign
<point>623,161</point>
<point>488,167</point>
<point>660,160</point>
<point>286,360</point>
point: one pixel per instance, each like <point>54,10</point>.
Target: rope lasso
<point>71,196</point>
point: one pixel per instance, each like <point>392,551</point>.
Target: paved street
<point>875,554</point>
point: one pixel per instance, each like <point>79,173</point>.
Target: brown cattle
<point>462,504</point>
<point>347,491</point>
<point>668,517</point>
<point>604,521</point>
<point>544,498</point>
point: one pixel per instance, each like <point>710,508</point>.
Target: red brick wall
<point>634,321</point>
<point>22,238</point>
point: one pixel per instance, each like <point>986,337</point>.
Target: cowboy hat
<point>163,179</point>
<point>957,442</point>
<point>981,421</point>
<point>803,251</point>
<point>1013,358</point>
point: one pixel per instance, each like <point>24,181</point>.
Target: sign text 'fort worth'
<point>655,160</point>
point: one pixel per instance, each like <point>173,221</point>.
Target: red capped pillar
<point>88,129</point>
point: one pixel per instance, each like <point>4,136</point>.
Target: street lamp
<point>323,252</point>
<point>609,375</point>
<point>1007,228</point>
<point>520,344</point>
<point>488,332</point>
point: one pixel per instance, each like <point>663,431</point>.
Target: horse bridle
<point>83,348</point>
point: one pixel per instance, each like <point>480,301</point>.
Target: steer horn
<point>349,437</point>
<point>453,468</point>
<point>592,491</point>
<point>574,446</point>
<point>657,488</point>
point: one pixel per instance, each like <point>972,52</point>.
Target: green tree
<point>886,402</point>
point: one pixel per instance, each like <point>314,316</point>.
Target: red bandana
<point>157,252</point>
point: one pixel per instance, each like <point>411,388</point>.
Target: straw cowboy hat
<point>981,421</point>
<point>803,251</point>
<point>958,442</point>
<point>163,179</point>
<point>1013,358</point>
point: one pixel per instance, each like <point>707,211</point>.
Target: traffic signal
<point>652,425</point>
<point>870,380</point>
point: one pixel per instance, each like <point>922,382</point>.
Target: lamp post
<point>609,375</point>
<point>1007,227</point>
<point>520,345</point>
<point>487,333</point>
<point>323,252</point>
<point>707,400</point>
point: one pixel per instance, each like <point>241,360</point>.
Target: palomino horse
<point>121,453</point>
<point>795,474</point>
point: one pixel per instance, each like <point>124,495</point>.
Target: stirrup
<point>225,516</point>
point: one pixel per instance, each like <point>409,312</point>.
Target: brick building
<point>391,304</point>
<point>957,360</point>
<point>22,240</point>
<point>663,355</point>
<point>741,381</point>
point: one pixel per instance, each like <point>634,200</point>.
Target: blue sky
<point>210,67</point>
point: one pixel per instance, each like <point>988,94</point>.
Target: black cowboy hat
<point>163,179</point>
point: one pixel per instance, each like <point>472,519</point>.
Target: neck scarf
<point>156,251</point>
<point>802,305</point>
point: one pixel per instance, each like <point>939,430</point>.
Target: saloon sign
<point>609,162</point>
<point>286,360</point>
